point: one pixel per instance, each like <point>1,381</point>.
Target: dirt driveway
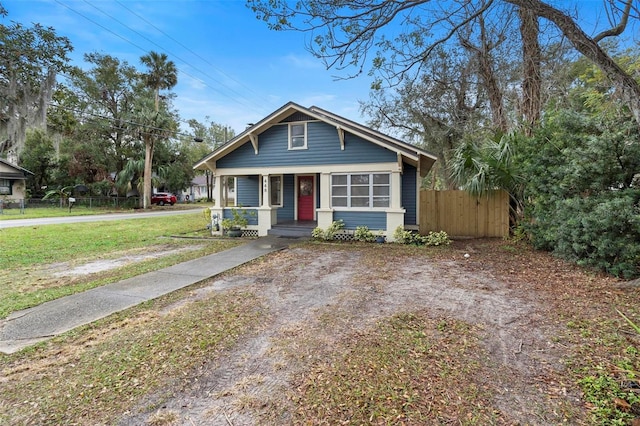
<point>520,302</point>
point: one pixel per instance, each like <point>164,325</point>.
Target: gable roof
<point>12,171</point>
<point>413,155</point>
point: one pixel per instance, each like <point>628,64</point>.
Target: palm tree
<point>162,74</point>
<point>481,166</point>
<point>152,125</point>
<point>129,178</point>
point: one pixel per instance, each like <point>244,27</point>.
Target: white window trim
<point>281,190</point>
<point>293,148</point>
<point>370,208</point>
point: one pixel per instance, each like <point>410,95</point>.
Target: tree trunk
<point>148,160</point>
<point>209,179</point>
<point>629,88</point>
<point>488,76</point>
<point>532,77</point>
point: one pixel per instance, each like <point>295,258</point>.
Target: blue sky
<point>231,67</point>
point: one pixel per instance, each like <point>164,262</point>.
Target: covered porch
<point>293,204</point>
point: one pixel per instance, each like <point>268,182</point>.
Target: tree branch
<point>618,29</point>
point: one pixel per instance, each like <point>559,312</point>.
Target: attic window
<point>298,136</point>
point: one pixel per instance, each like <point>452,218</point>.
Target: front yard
<point>351,334</point>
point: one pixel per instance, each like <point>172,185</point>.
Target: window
<point>362,190</point>
<point>5,187</point>
<point>298,136</point>
<point>275,186</point>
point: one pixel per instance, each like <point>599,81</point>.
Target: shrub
<point>402,236</point>
<point>238,220</point>
<point>317,233</point>
<point>328,234</point>
<point>363,234</point>
<point>206,214</point>
<point>437,239</point>
<point>600,231</point>
<point>583,200</point>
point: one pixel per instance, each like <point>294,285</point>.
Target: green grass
<point>610,384</point>
<point>28,252</point>
<point>92,374</point>
<point>32,245</point>
<point>41,212</point>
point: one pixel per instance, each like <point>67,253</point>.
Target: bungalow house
<point>12,181</point>
<point>310,166</point>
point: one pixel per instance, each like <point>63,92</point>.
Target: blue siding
<point>288,202</point>
<point>373,220</point>
<point>250,214</point>
<point>323,148</point>
<point>247,191</point>
<point>409,191</point>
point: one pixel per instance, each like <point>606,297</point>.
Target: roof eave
<point>422,159</point>
<point>275,117</point>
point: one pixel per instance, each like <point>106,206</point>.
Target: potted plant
<point>380,238</point>
<point>233,226</point>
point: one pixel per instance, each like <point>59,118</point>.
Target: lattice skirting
<point>344,235</point>
<point>250,233</point>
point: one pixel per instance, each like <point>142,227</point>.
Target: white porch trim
<point>312,170</point>
<point>395,218</point>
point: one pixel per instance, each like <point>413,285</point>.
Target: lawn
<point>482,332</point>
<point>31,256</point>
<point>42,212</point>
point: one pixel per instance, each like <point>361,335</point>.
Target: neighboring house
<point>198,189</point>
<point>12,181</point>
<point>310,165</point>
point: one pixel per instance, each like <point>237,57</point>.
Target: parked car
<point>162,198</point>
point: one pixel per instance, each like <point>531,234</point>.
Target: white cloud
<point>303,61</point>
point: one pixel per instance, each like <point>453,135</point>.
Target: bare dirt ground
<point>68,269</point>
<point>318,296</point>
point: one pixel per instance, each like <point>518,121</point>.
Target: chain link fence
<point>18,206</point>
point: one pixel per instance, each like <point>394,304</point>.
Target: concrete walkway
<point>27,327</point>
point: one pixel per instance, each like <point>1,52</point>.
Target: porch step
<point>296,229</point>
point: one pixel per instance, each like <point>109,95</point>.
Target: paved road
<point>14,223</point>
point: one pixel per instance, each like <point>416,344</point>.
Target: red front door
<point>305,197</point>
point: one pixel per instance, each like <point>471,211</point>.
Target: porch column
<point>265,212</point>
<point>324,213</point>
<point>217,208</point>
<point>396,190</point>
<point>395,213</point>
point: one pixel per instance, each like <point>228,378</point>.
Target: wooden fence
<point>461,214</point>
